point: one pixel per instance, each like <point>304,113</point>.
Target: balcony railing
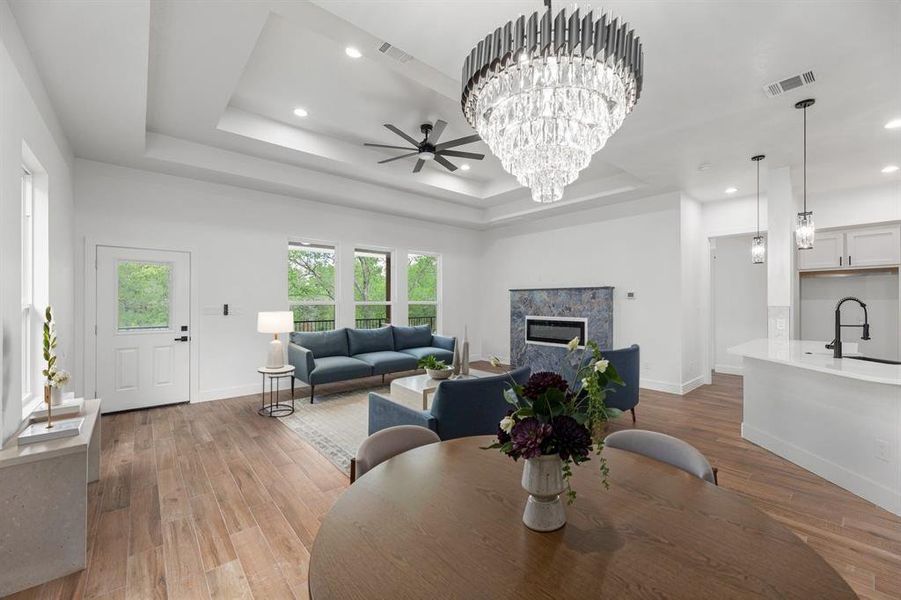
<point>329,324</point>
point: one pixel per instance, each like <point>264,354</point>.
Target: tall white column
<point>781,216</point>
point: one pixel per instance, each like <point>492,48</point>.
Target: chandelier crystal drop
<point>546,93</point>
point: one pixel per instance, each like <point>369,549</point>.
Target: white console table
<point>43,504</point>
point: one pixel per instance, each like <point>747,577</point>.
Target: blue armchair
<point>460,408</point>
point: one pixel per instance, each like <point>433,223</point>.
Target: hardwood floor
<point>212,501</point>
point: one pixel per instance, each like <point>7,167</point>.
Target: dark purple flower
<point>527,436</point>
<point>571,440</point>
<point>543,381</point>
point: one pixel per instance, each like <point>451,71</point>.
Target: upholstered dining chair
<point>388,443</point>
<point>664,448</point>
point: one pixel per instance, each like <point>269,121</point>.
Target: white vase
<point>542,477</point>
<point>56,396</point>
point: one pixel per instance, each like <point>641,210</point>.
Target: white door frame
<point>89,315</point>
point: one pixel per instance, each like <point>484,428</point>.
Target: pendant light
<point>805,231</point>
<point>758,244</point>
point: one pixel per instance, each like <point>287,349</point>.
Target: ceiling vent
<point>395,53</point>
<point>778,88</point>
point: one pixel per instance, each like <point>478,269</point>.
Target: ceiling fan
<point>429,148</point>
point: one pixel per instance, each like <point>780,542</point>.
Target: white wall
<point>695,309</point>
<point>739,300</point>
<point>238,240</point>
<point>632,246</point>
<point>26,118</point>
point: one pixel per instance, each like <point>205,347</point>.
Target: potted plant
<point>555,422</point>
<point>436,369</point>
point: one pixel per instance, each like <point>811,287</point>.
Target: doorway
<point>143,327</point>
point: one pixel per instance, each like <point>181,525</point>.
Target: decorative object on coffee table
<point>275,323</point>
<point>456,363</point>
<point>275,408</point>
<point>464,353</point>
<point>436,369</point>
<point>553,425</point>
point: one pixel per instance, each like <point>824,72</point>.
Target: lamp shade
<point>275,322</point>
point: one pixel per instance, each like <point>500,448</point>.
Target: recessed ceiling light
<point>890,169</point>
<point>464,167</point>
<point>352,52</point>
<point>731,190</point>
<point>893,124</point>
<point>300,112</point>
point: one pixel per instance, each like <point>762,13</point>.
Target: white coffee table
<point>411,390</point>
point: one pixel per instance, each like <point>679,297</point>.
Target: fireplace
<point>543,321</point>
<point>555,331</point>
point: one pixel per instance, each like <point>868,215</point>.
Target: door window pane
<point>144,295</point>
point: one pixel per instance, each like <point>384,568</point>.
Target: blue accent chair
<point>342,354</point>
<point>627,363</point>
<point>460,407</point>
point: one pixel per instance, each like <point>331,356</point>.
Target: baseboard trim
<point>692,384</point>
<point>840,476</point>
<point>660,386</point>
<point>729,369</point>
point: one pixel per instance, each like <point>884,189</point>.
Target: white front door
<point>143,327</point>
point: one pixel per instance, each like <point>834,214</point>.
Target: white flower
<point>495,361</point>
<point>601,365</point>
<point>507,424</point>
<point>573,343</point>
<point>59,378</point>
<point>585,382</point>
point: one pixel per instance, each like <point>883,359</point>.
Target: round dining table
<point>445,521</point>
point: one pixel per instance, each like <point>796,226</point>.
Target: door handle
<point>183,338</point>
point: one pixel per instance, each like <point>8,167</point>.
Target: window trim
<point>300,243</point>
<point>28,312</point>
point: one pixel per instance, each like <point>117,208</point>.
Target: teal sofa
<point>342,354</point>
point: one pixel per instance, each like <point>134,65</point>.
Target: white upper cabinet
<point>853,248</point>
<point>874,247</point>
<point>827,253</point>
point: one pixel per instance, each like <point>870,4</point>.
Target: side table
<point>275,408</point>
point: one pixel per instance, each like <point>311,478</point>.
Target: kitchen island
<point>837,417</point>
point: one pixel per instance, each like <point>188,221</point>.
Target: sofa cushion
<point>412,337</point>
<point>388,361</point>
<point>338,368</point>
<point>323,343</point>
<point>361,341</point>
<point>446,355</point>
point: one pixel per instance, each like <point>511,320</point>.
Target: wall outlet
<point>882,450</point>
<point>630,295</point>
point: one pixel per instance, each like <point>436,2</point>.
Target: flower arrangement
<point>554,415</point>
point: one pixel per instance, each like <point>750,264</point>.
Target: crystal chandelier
<point>805,230</point>
<point>758,244</point>
<point>546,93</point>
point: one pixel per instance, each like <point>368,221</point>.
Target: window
<point>143,295</point>
<point>422,290</point>
<point>311,286</point>
<point>30,314</point>
<point>372,288</point>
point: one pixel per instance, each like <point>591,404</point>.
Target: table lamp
<point>275,323</point>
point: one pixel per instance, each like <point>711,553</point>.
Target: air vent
<point>780,87</point>
<point>395,53</point>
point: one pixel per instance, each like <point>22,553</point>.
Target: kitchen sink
<point>884,361</point>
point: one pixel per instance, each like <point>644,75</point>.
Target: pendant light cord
<point>758,198</point>
<point>805,159</point>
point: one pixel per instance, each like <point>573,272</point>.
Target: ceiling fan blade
<point>445,163</point>
<point>437,130</point>
<point>387,146</point>
<point>381,162</point>
<point>418,166</point>
<point>459,141</point>
<point>401,134</point>
<point>459,154</point>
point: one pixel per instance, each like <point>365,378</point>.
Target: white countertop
<point>813,356</point>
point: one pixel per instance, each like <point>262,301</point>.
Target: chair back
<point>627,362</point>
<point>388,443</point>
<point>664,448</point>
<point>465,407</point>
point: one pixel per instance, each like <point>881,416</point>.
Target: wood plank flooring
<point>212,501</point>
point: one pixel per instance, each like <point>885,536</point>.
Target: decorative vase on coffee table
<point>464,355</point>
<point>542,477</point>
<point>456,360</point>
<point>56,396</point>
